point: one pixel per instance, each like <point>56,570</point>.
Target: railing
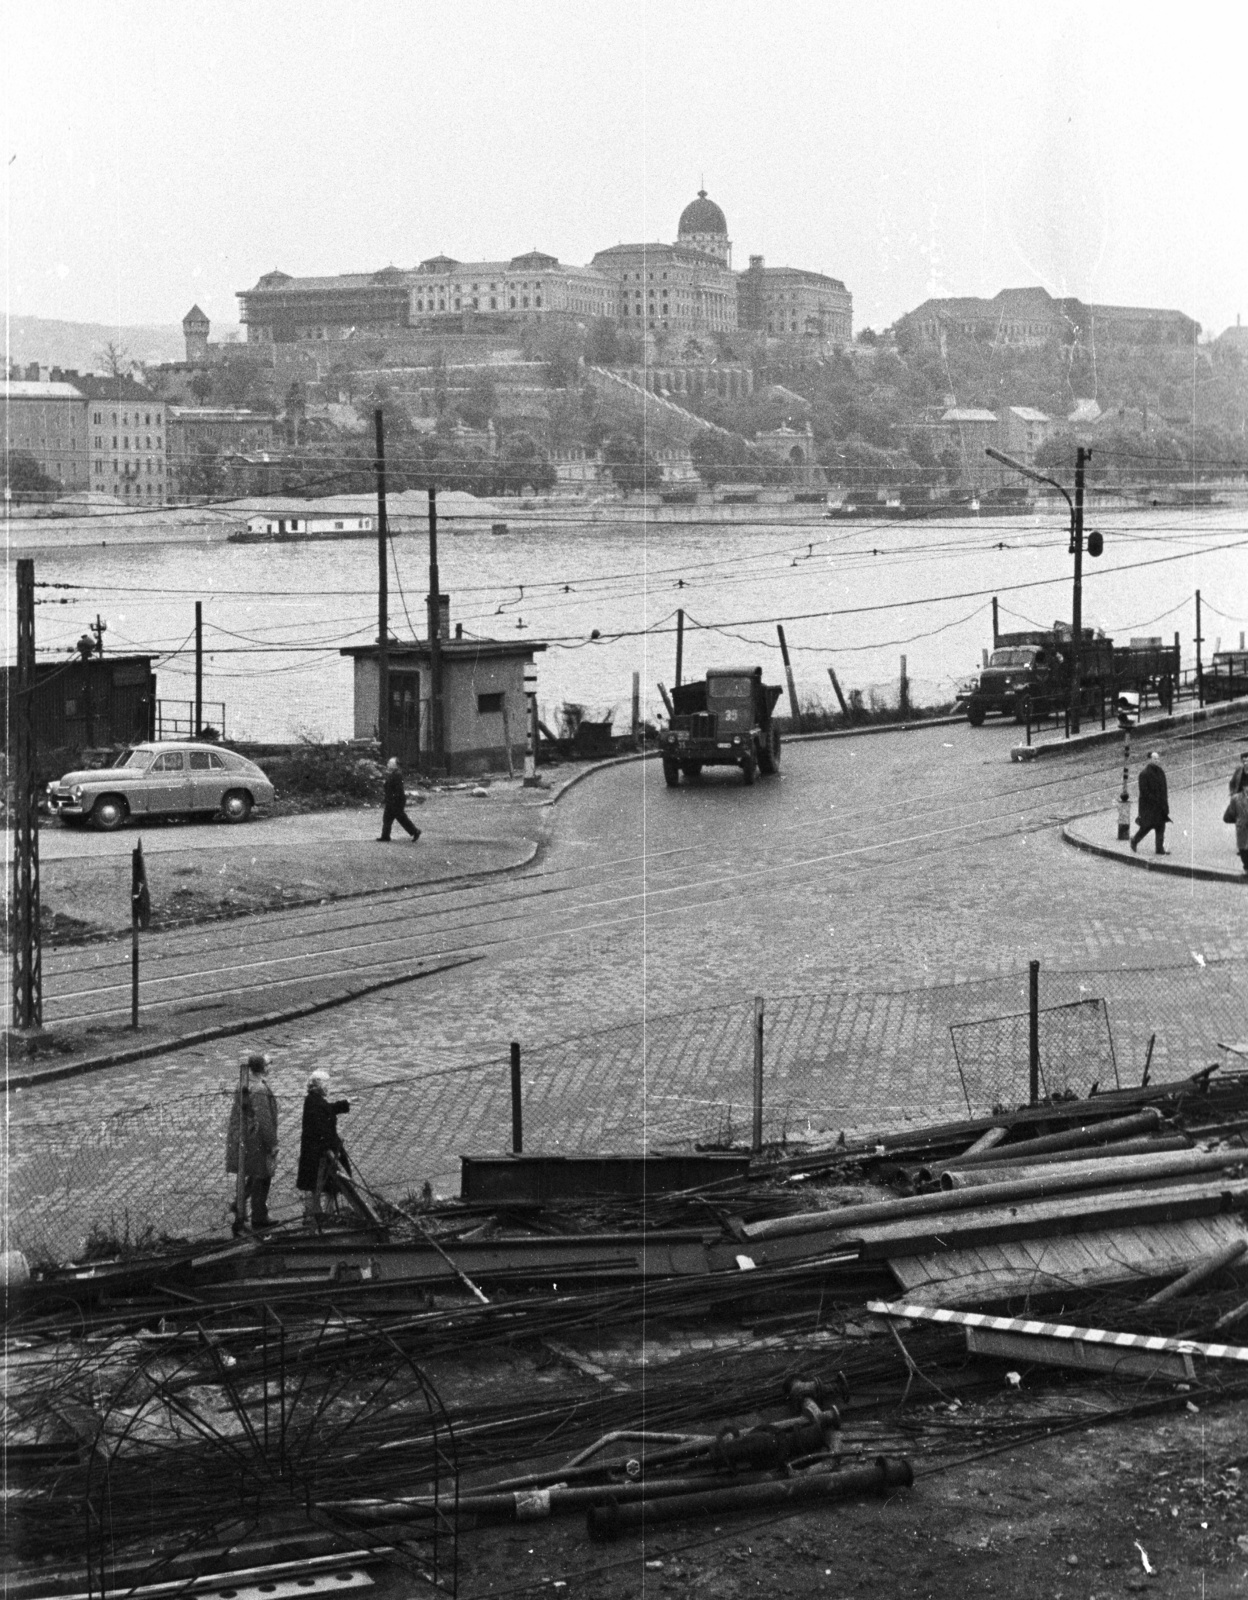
<point>175,719</point>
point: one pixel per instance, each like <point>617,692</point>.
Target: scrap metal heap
<point>810,1325</point>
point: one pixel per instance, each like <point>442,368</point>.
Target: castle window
<point>537,300</point>
<point>513,302</point>
<point>488,704</point>
<point>493,303</point>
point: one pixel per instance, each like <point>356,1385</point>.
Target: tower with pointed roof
<point>195,326</point>
<point>702,225</point>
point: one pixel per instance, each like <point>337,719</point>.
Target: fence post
<point>756,1144</point>
<point>1033,1051</point>
<point>636,708</point>
<point>240,1185</point>
<point>517,1129</point>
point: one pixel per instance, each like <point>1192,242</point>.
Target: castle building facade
<point>651,288</point>
<point>792,303</point>
<point>1030,318</point>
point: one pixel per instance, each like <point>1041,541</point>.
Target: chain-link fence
<point>849,1059</point>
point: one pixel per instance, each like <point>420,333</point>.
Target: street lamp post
<point>1082,457</point>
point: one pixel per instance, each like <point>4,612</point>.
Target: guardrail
<point>175,719</point>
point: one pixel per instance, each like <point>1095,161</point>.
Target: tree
<point>522,465</point>
<point>25,479</point>
<point>630,464</point>
<point>203,476</point>
<point>115,359</point>
<point>481,401</point>
<point>602,343</point>
<point>719,458</point>
<point>200,385</point>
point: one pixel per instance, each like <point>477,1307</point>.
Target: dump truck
<point>1028,674</point>
<point>724,720</point>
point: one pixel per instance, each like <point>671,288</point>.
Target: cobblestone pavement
<point>871,867</point>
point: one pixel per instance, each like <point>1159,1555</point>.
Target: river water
<point>853,596</point>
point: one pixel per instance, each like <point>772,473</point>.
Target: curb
<point>1175,869</point>
<point>225,1030</point>
<point>1224,711</point>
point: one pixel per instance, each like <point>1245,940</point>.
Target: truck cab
<point>1010,679</point>
<point>724,720</point>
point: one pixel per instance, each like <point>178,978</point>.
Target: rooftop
<point>14,390</point>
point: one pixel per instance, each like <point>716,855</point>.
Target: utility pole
<point>1076,618</point>
<point>27,955</point>
<point>383,594</point>
<point>996,634</point>
<point>437,733</point>
<point>99,629</point>
<point>1200,670</point>
<point>680,643</point>
<point>199,668</point>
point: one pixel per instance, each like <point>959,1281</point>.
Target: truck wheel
<point>748,770</point>
<point>693,771</point>
<point>671,772</point>
<point>975,715</point>
<point>769,755</point>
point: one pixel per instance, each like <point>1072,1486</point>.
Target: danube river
<point>603,595</point>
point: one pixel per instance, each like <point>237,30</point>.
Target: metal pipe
<point>609,1521</point>
<point>985,1142</point>
<point>1011,1165</point>
<point>1090,1133</point>
<point>1094,1168</point>
<point>1178,1164</point>
<point>1203,1270</point>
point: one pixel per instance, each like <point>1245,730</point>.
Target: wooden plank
<point>1172,1365</point>
<point>1116,1255</point>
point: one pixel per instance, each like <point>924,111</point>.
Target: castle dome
<point>702,216</point>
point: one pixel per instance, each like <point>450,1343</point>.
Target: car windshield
<point>1013,658</point>
<point>136,760</point>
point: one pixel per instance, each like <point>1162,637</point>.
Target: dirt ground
<point>1154,1506</point>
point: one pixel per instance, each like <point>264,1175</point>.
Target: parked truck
<point>1029,674</point>
<point>724,720</point>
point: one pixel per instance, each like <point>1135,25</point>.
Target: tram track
<point>551,902</point>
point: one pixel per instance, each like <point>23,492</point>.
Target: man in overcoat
<point>1154,804</point>
<point>253,1127</point>
<point>395,809</point>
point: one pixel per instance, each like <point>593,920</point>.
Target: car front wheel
<point>109,812</point>
<point>236,806</point>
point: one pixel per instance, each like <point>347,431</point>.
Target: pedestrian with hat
<point>1239,778</point>
<point>1154,810</point>
<point>251,1142</point>
<point>395,808</point>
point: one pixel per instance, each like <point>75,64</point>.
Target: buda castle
<point>687,288</point>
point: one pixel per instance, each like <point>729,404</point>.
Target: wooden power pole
<point>383,594</point>
<point>27,963</point>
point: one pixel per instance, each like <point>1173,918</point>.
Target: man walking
<point>251,1137</point>
<point>1239,778</point>
<point>1154,804</point>
<point>395,809</point>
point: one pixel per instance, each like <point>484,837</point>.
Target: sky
<point>162,153</point>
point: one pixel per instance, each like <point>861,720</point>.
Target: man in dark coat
<point>1154,804</point>
<point>320,1147</point>
<point>396,805</point>
<point>252,1132</point>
